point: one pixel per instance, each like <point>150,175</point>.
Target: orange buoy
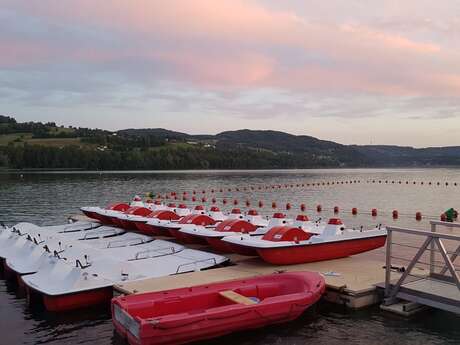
<point>318,208</point>
<point>336,209</point>
<point>418,215</point>
<point>374,212</point>
<point>395,214</point>
<point>354,211</point>
<point>303,207</point>
<point>288,206</point>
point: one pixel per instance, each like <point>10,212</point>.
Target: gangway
<point>439,285</point>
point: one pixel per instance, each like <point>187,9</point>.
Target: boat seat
<point>236,297</point>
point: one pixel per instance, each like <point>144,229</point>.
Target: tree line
<point>75,157</point>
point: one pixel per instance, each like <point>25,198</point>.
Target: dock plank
<point>356,274</point>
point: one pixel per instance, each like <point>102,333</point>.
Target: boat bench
<point>236,297</point>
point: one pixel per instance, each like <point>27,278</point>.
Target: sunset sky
<point>375,71</point>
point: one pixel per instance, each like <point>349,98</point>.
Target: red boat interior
<point>205,299</point>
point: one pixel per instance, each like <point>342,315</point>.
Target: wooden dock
<point>350,281</point>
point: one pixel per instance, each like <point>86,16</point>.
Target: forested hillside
<point>36,145</point>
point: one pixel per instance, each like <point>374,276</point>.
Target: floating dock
<point>350,281</point>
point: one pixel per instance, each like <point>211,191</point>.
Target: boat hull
<point>199,313</point>
<point>226,325</point>
<point>186,238</point>
<point>127,224</point>
<point>105,219</point>
<point>217,244</point>
<point>8,272</point>
<point>321,251</point>
<point>117,222</point>
<point>92,215</point>
<point>74,301</point>
<point>242,250</point>
<point>148,229</point>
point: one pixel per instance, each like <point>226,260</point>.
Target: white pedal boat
<point>30,258</point>
<point>65,286</point>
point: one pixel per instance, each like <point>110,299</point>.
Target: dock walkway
<point>351,281</point>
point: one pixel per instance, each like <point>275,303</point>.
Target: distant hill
<point>157,132</point>
<point>46,145</point>
<point>386,155</point>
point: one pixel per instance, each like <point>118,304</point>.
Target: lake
<point>48,198</point>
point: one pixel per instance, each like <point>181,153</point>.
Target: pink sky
<point>344,73</point>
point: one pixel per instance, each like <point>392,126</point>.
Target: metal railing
<point>195,265</point>
<point>129,242</point>
<point>433,243</point>
<point>101,234</point>
<point>155,253</point>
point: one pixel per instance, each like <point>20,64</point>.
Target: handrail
<point>424,233</point>
<point>79,264</point>
<point>432,241</point>
<point>125,243</point>
<point>194,263</point>
<point>99,234</point>
<point>447,224</point>
<point>92,227</point>
<point>138,255</point>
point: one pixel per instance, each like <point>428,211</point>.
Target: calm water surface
<point>47,198</point>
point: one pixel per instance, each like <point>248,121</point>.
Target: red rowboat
<point>207,311</point>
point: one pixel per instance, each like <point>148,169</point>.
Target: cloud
<point>248,61</point>
<point>234,44</point>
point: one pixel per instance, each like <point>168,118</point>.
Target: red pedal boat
<point>287,245</point>
<point>207,311</point>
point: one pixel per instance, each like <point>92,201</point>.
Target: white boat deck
<point>78,257</point>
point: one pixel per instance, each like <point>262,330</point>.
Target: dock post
<point>432,250</point>
<point>388,263</point>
